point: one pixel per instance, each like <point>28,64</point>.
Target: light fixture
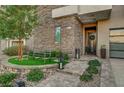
<point>69,27</point>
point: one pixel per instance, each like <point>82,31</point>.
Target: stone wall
<point>44,35</point>
<point>78,34</point>
<point>70,33</point>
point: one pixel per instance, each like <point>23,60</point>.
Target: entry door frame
<point>84,32</point>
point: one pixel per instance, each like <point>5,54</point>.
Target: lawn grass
<point>31,61</point>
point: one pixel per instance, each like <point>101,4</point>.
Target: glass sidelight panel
<point>58,34</point>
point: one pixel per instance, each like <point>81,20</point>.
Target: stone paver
<point>69,76</point>
<point>118,71</point>
<point>76,67</point>
<point>60,80</point>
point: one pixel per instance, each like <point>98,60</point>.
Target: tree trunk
<point>20,50</point>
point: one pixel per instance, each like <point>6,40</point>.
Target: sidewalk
<point>118,71</point>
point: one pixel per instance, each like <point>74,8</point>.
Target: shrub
<point>92,70</point>
<point>6,79</point>
<point>13,51</point>
<point>66,57</point>
<point>86,77</point>
<point>53,54</point>
<point>30,53</point>
<point>94,63</point>
<point>35,75</point>
<point>58,54</point>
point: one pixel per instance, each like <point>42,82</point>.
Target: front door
<point>90,41</point>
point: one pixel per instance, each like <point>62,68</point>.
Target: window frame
<point>55,37</point>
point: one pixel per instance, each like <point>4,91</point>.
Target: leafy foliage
<point>86,77</point>
<point>13,51</point>
<point>35,75</point>
<point>94,63</point>
<point>92,70</point>
<point>6,79</point>
<point>58,53</point>
<point>17,21</point>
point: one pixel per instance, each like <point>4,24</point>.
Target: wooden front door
<point>90,41</point>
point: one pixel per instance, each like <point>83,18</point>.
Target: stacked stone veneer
<point>44,35</point>
<point>23,71</point>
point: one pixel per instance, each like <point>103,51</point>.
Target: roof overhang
<point>89,14</point>
<point>85,13</point>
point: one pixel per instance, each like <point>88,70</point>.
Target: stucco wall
<point>116,20</point>
<point>117,16</point>
<point>3,44</point>
<point>103,36</point>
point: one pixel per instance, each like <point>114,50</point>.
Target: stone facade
<point>72,30</point>
<point>44,35</point>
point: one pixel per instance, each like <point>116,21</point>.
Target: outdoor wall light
<point>69,27</point>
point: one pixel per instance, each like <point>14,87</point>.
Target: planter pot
<point>103,53</point>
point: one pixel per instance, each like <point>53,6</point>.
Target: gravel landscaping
<point>68,77</point>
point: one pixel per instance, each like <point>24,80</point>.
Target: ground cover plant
<point>41,58</point>
<point>6,79</point>
<point>92,69</point>
<point>31,61</point>
<point>35,75</point>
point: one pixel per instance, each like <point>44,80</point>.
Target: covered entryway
<point>90,40</point>
<point>117,43</point>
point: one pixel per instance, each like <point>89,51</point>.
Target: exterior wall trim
<point>118,28</point>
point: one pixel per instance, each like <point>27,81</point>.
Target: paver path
<point>76,67</point>
<point>118,71</point>
<point>60,80</point>
<point>63,78</point>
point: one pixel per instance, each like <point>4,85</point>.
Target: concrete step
<point>75,68</point>
<point>68,72</point>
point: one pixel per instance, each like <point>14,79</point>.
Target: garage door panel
<point>117,46</point>
<point>117,54</point>
<point>117,43</point>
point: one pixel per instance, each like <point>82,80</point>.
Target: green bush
<point>66,57</point>
<point>13,51</point>
<point>58,53</point>
<point>35,75</point>
<point>53,54</point>
<point>6,79</point>
<point>30,53</point>
<point>86,77</point>
<point>94,63</point>
<point>92,70</point>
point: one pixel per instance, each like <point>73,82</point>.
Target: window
<point>58,34</point>
<point>117,36</point>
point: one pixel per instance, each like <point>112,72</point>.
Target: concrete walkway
<point>118,71</point>
<point>69,77</point>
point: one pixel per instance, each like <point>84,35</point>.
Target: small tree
<point>17,22</point>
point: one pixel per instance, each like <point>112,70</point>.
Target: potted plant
<point>103,51</point>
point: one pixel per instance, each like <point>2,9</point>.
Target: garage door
<point>117,43</point>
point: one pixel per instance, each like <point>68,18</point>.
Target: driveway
<point>118,71</point>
